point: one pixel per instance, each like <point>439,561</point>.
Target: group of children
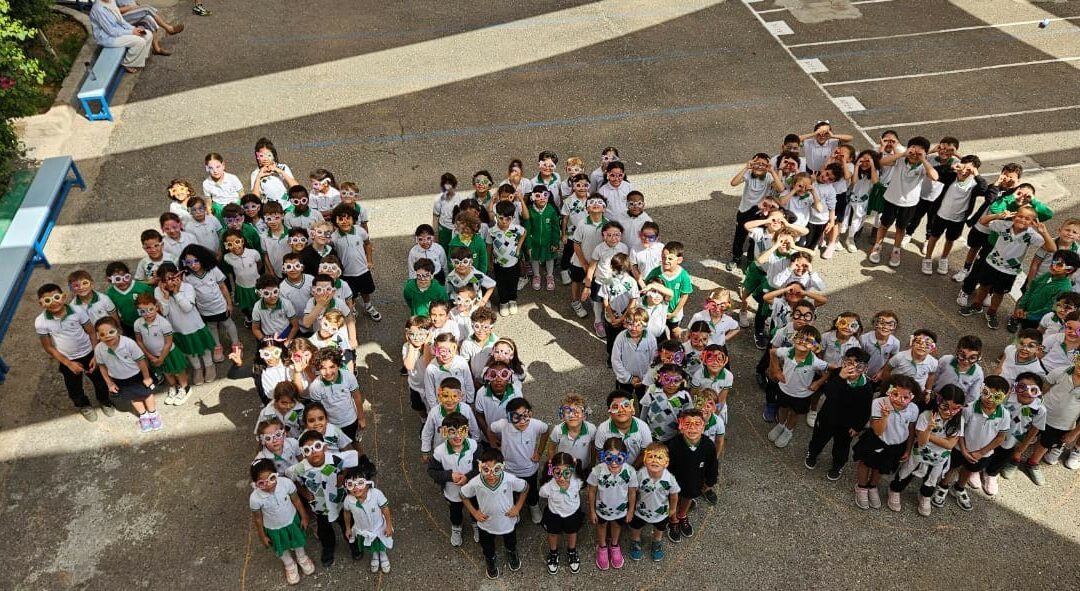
<point>296,264</point>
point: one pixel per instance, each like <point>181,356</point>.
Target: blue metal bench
<point>23,247</point>
<point>101,81</point>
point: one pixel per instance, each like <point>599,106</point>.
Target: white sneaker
<point>894,501</point>
<point>564,276</point>
<point>476,533</point>
<point>894,257</point>
<point>875,254</point>
<point>455,535</point>
<point>830,250</point>
<point>384,562</point>
<point>579,310</point>
<point>874,497</point>
<point>170,398</point>
<point>784,438</point>
<point>811,418</point>
<point>776,431</point>
<point>943,266</point>
<point>975,480</point>
<point>375,563</point>
<point>522,282</point>
<point>906,241</point>
<point>504,310</point>
<point>744,318</point>
<point>1072,461</point>
<point>924,506</point>
<point>962,299</point>
<point>182,394</point>
<point>513,307</point>
<point>1052,456</point>
<point>927,267</point>
<point>851,245</point>
<point>960,275</point>
<point>536,513</point>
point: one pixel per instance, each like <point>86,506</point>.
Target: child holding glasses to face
<point>844,411</point>
<point>521,439</point>
<point>317,478</point>
<point>494,498</point>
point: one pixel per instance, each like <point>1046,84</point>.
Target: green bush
<point>20,77</point>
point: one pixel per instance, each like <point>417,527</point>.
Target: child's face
<point>299,203</point>
<point>899,397</point>
<point>540,200</point>
<point>546,166</point>
<point>612,236</point>
<point>251,210</point>
<point>884,325</point>
<point>331,269</point>
<point>656,460</point>
<point>235,222</point>
<point>520,418</point>
<point>805,343</point>
<point>840,155</point>
<point>327,328</point>
<point>216,169</point>
<point>297,243</point>
<point>481,184</point>
<point>847,326</point>
<point>502,352</point>
<point>121,279</point>
<point>358,487</point>
<point>635,327</point>
<point>922,345</point>
<point>179,192</point>
<point>192,264</point>
<point>454,435</point>
<point>789,166</point>
<point>322,290</point>
<point>670,261</point>
<point>1069,232</point>
<point>595,206</point>
<point>717,306</point>
<point>635,206</point>
<point>328,370</point>
<point>319,185</point>
<point>449,398</point>
<point>172,282</point>
<point>152,248</point>
<point>965,171</point>
<point>949,409</point>
<point>801,267</point>
<point>321,237</point>
<point>423,279</point>
<point>416,336</point>
<point>1072,330</point>
<point>692,427</point>
<point>776,222</point>
<point>864,162</point>
<point>233,245</point>
<point>965,358</point>
<point>614,460</point>
<point>888,143</point>
<point>425,240</point>
<point>198,212</point>
<point>822,133</point>
<point>573,170</point>
<point>615,177</point>
<point>481,330</point>
<point>801,316</point>
<point>794,294</point>
<point>514,174</point>
<point>670,382</point>
<point>714,361</point>
<point>314,452</point>
<point>621,410</point>
<point>465,301</point>
<point>1026,391</point>
<point>438,316</point>
<point>273,220</point>
<point>698,340</point>
<point>491,471</point>
<point>344,222</point>
<point>503,221</point>
<point>147,312</point>
<point>915,154</point>
<point>802,186</point>
<point>498,378</point>
<point>1027,349</point>
<point>267,481</point>
<point>273,437</point>
<point>572,414</point>
<point>653,297</point>
<point>826,176</point>
<point>108,335</point>
<point>445,352</point>
<point>1062,309</point>
<point>264,156</point>
<point>648,237</point>
<point>348,196</point>
<point>946,151</point>
<point>991,398</point>
<point>562,475</point>
<point>271,355</point>
<point>82,287</point>
<point>1022,221</point>
<point>315,420</point>
<point>462,266</point>
<point>581,189</point>
<point>284,404</point>
<point>851,368</point>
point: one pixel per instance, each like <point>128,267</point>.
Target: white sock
<point>598,311</point>
<point>535,267</point>
<point>300,553</point>
<point>287,559</point>
<point>230,330</point>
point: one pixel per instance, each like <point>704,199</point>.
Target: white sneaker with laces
<point>906,241</point>
<point>578,309</point>
<point>1072,461</point>
<point>851,245</point>
<point>875,254</point>
<point>811,418</point>
<point>504,310</point>
<point>776,431</point>
<point>513,307</point>
<point>927,267</point>
<point>961,299</point>
<point>943,266</point>
<point>564,276</point>
<point>894,257</point>
<point>536,513</point>
<point>874,497</point>
<point>960,275</point>
<point>522,282</point>
<point>455,535</point>
<point>784,438</point>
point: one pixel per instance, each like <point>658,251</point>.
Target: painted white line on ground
<point>778,28</point>
<point>812,66</point>
<point>924,33</point>
<point>971,118</point>
<point>848,104</point>
<point>823,90</point>
<point>960,71</point>
<point>789,8</point>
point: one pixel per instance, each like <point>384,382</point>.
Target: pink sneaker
<point>551,283</point>
<point>602,558</point>
<point>616,557</point>
<point>599,328</point>
<point>536,282</point>
<point>990,485</point>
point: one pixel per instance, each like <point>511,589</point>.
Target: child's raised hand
<point>1040,227</point>
<point>885,408</point>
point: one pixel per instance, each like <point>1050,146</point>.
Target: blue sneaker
<point>657,551</point>
<point>769,414</point>
<point>635,550</point>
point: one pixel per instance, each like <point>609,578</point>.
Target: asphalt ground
<point>687,99</point>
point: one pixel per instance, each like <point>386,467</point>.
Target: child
<point>1051,323</point>
<point>155,256</point>
<point>494,397</point>
<point>631,354</point>
<point>439,313</point>
<point>619,295</point>
<point>319,248</point>
<point>490,500</point>
<point>271,180</point>
<point>332,334</point>
<point>936,433</point>
<point>942,157</point>
<point>902,195</point>
<point>415,356</point>
<point>95,304</point>
<point>154,335</point>
<point>470,233</point>
<point>211,296</point>
<point>317,478</point>
<point>819,145</point>
<point>325,195</point>
<point>654,302</point>
<point>1043,290</point>
<point>464,273</point>
<point>323,298</point>
<point>1059,349</point>
<point>986,426</point>
<point>612,499</point>
<point>917,362</point>
<point>712,374</point>
<point>269,369</point>
<point>1027,419</point>
<point>521,439</point>
<point>647,256</point>
<point>573,213</point>
<point>574,435</point>
<point>793,369</point>
<point>881,344</point>
<point>222,187</point>
<point>442,213</point>
<point>421,289</point>
<point>714,313</point>
<point>175,238</point>
<point>452,466</point>
<point>426,248</point>
<point>244,263</point>
<point>543,232</point>
<point>354,249</point>
<point>676,279</point>
<point>586,237</point>
<point>300,214</point>
<point>881,447</point>
<point>125,371</point>
<point>465,303</point>
<point>339,392</point>
<point>368,523</point>
<point>962,369</point>
<point>694,466</point>
<point>446,363</point>
<point>1068,239</point>
<point>235,219</point>
<point>280,519</point>
<point>275,241</point>
<point>708,402</point>
<point>123,291</point>
<point>315,419</point>
<point>996,273</point>
<point>616,190</point>
<point>757,176</point>
<point>546,175</point>
<point>562,516</point>
<point>844,412</point>
<point>505,242</point>
<point>285,408</point>
<point>449,402</point>
<point>205,228</point>
<point>1062,410</point>
<point>476,349</point>
<point>622,424</point>
<point>867,164</point>
<point>272,316</point>
<point>1005,194</point>
<point>823,211</point>
<point>658,496</point>
<point>599,272</point>
<point>961,185</point>
<point>662,402</point>
<point>276,446</point>
<point>176,299</point>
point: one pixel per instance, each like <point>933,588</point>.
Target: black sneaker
<point>553,562</point>
<point>674,533</point>
<point>573,561</point>
<point>970,310</point>
<point>403,371</point>
<point>810,462</point>
<point>512,560</point>
<point>761,342</point>
<point>1013,325</point>
<point>992,321</point>
<point>492,570</point>
<point>327,561</point>
<point>355,552</point>
<point>834,473</point>
<point>686,527</point>
<point>710,496</point>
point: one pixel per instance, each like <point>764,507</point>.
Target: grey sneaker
<point>108,410</point>
<point>88,413</point>
<point>1034,472</point>
<point>992,321</point>
<point>962,498</point>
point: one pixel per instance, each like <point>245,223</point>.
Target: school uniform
<point>491,405</point>
<point>630,358</point>
<point>336,396</point>
<point>275,248</point>
<point>970,381</point>
<point>647,258</point>
<point>274,320</point>
<point>903,193</point>
<point>720,327</point>
<point>190,334</point>
<point>435,373</point>
<point>955,203</point>
<point>125,302</point>
<point>579,446</point>
<point>272,186</point>
<point>147,268</point>
<point>153,336</point>
<point>661,412</point>
<point>693,466</point>
<point>573,211</point>
<point>280,520</point>
<point>335,304</point>
<point>518,447</point>
<point>679,285</point>
<point>494,501</point>
<point>636,438</point>
<point>903,364</point>
<point>98,306</point>
<point>846,408</point>
<point>430,438</point>
<point>929,462</point>
<point>882,453</point>
<point>563,514</point>
<point>223,192</point>
<point>445,461</point>
<point>322,482</point>
<point>1062,402</point>
<point>209,300</point>
<point>505,257</point>
<point>290,454</point>
<point>588,235</point>
<point>798,375</point>
<point>817,153</point>
<point>880,353</point>
<point>480,282</point>
<point>980,428</point>
<point>368,521</point>
<point>1021,418</point>
<point>293,219</point>
<point>122,364</point>
<point>833,349</point>
<point>653,506</point>
<point>311,258</point>
<point>443,209</point>
<point>354,264</point>
<point>325,201</point>
<point>998,270</point>
<point>612,490</point>
<point>245,268</point>
<point>290,420</point>
<point>297,293</point>
<point>1058,353</point>
<point>616,199</point>
<point>172,248</point>
<point>619,291</point>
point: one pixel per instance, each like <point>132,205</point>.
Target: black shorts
<point>601,521</point>
<point>361,284</point>
<point>996,281</point>
<point>878,455</point>
<point>894,213</point>
<point>639,523</point>
<point>557,524</point>
<point>132,388</point>
<point>937,226</point>
<point>1051,437</point>
<point>973,467</point>
<point>799,406</point>
<point>222,317</point>
<point>416,401</point>
<point>977,239</point>
<point>577,274</point>
<point>594,292</point>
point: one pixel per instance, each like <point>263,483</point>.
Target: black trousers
<point>506,279</point>
<point>899,484</point>
<point>922,209</point>
<point>487,543</point>
<point>327,537</point>
<point>457,513</point>
<point>532,497</point>
<point>841,442</point>
<point>737,250</point>
<point>74,385</point>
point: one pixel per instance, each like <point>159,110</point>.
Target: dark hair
<point>611,224</point>
<point>343,211</point>
<point>996,383</point>
<point>953,393</point>
<point>48,288</point>
<point>489,455</point>
<point>1027,375</point>
<point>919,141</point>
<point>1030,333</point>
<point>969,342</point>
<point>1069,258</point>
<point>1013,167</point>
<point>321,174</point>
<point>298,191</point>
<point>121,267</point>
<point>949,140</point>
<point>617,394</point>
<point>890,132</point>
<point>836,169</point>
<point>310,435</point>
<point>675,247</point>
<point>858,354</point>
<point>874,156</point>
<point>791,137</point>
<point>165,269</point>
<point>272,207</point>
<point>168,216</point>
<point>424,265</point>
<point>971,159</point>
<point>904,382</point>
<point>230,233</point>
<point>269,145</point>
<point>150,235</point>
<point>262,466</point>
<point>447,179</point>
<point>505,209</point>
<point>546,154</point>
<point>450,383</point>
<point>516,404</point>
<point>266,281</point>
<point>455,420</point>
<point>651,225</point>
<point>701,326</point>
<point>207,259</point>
<point>1069,297</point>
<point>925,332</point>
<point>614,444</point>
<point>424,229</point>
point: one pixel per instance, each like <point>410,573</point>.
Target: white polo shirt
<point>563,503</point>
<point>1062,400</point>
<point>97,308</point>
<point>817,154</point>
<point>1007,254</point>
<point>1022,417</point>
<point>905,186</point>
<point>336,396</point>
<point>798,375</point>
<point>1058,354</point>
<point>518,446</point>
<point>297,293</point>
<point>903,365</point>
<point>227,190</point>
<point>495,501</point>
<point>455,461</point>
<point>898,422</point>
<point>654,496</point>
<point>636,438</point>
<point>579,447</point>
<point>971,381</point>
<point>154,333</point>
<point>879,354</point>
<point>68,333</point>
<point>123,361</point>
<point>350,248</point>
<point>980,429</point>
<point>276,507</point>
<point>273,320</point>
<point>613,490</point>
<point>588,235</point>
<point>754,190</point>
<point>208,297</point>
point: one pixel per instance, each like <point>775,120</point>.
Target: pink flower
<point>6,83</point>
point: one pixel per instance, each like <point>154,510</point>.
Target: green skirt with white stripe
<point>194,344</point>
<point>287,538</point>
<point>174,363</point>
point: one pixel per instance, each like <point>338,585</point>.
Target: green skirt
<point>755,280</point>
<point>377,545</point>
<point>245,298</point>
<point>174,363</point>
<point>445,236</point>
<point>194,344</point>
<point>287,538</point>
<point>876,198</point>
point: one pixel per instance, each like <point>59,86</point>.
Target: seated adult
<point>111,30</point>
<point>150,19</point>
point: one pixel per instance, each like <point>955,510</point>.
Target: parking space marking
<point>778,28</point>
<point>935,32</point>
<point>971,118</point>
<point>947,72</point>
<point>812,66</point>
<point>848,104</point>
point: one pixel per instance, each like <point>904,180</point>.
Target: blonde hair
<point>639,315</point>
<point>573,399</point>
<point>334,315</point>
<point>575,161</point>
<point>323,225</point>
<point>720,294</point>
